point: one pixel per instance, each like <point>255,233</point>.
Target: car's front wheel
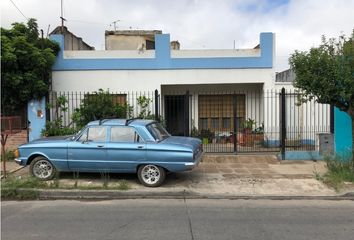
<point>151,175</point>
<point>42,168</point>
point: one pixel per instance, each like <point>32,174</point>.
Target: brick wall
<point>14,140</point>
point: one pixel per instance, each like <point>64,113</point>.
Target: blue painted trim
<point>302,155</point>
<point>342,135</point>
<point>163,59</point>
<point>276,143</point>
<point>37,123</point>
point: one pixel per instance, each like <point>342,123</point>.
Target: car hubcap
<point>42,169</point>
<point>150,174</point>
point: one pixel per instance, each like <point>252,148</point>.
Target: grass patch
<point>123,185</point>
<point>105,179</point>
<point>339,171</point>
<point>17,188</point>
<point>29,182</point>
<point>15,194</point>
<point>11,185</point>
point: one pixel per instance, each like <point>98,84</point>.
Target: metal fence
<point>134,104</point>
<point>226,122</point>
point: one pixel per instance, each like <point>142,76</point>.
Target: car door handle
<point>100,146</point>
<point>140,147</point>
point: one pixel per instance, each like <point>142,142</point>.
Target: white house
<point>214,90</point>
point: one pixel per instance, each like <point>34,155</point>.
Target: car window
<point>94,134</point>
<point>158,131</point>
<point>124,134</point>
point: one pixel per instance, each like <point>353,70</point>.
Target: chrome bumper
<point>18,161</point>
<point>191,165</point>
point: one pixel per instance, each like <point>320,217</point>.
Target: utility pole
<point>61,17</point>
<point>48,30</point>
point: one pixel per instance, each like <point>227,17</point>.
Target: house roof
<point>64,31</point>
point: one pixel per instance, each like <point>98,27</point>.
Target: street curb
<point>45,194</point>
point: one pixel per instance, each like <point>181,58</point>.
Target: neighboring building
<point>131,39</point>
<point>287,76</point>
<point>71,42</point>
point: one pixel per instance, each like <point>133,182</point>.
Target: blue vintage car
<point>113,145</point>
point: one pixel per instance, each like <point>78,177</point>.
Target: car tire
<point>42,169</point>
<point>151,175</point>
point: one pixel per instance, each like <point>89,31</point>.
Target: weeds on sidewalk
<point>17,188</point>
<point>105,179</point>
<point>339,171</point>
<point>76,176</point>
<point>55,183</point>
<point>10,186</point>
<point>29,182</point>
<point>123,185</point>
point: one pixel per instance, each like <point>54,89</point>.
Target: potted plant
<point>258,134</point>
<point>247,138</point>
<point>248,125</point>
<point>206,135</point>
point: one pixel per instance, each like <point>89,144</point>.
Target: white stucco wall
<point>149,80</point>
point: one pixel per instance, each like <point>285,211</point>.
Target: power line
<point>87,22</point>
<point>19,10</point>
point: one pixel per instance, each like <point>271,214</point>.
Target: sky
<point>196,24</point>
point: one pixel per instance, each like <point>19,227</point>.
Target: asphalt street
<point>177,219</point>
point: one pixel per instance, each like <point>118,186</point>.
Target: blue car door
<point>89,152</point>
<point>125,149</point>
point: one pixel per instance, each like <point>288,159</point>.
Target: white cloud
<point>198,24</point>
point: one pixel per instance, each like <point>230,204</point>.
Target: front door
<point>88,153</point>
<point>175,110</point>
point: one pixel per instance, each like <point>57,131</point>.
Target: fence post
<point>186,114</point>
<point>282,123</point>
<point>234,103</point>
<point>157,117</point>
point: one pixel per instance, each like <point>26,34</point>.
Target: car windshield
<point>158,131</point>
<point>76,135</point>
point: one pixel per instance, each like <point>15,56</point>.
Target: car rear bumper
<point>191,165</point>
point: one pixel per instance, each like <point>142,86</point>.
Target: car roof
<point>121,122</point>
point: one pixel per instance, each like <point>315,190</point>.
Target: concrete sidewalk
<point>11,167</point>
<point>249,175</point>
<point>226,176</point>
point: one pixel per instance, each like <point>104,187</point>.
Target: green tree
<point>56,127</point>
<point>100,105</point>
<point>144,104</point>
<point>326,74</point>
<point>26,65</point>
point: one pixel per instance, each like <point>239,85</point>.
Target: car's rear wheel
<point>42,168</point>
<point>151,175</point>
